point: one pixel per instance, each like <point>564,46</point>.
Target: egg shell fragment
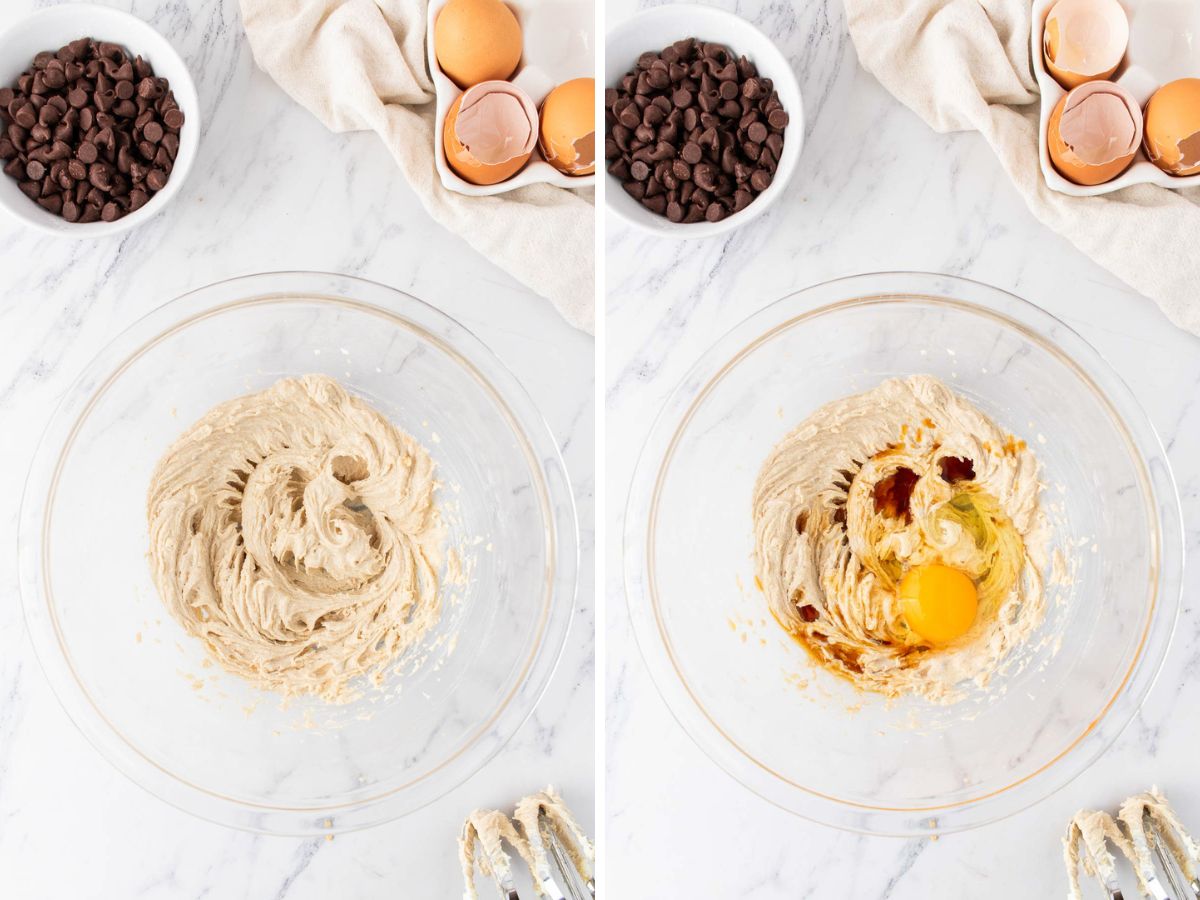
<point>568,127</point>
<point>477,41</point>
<point>1094,133</point>
<point>1172,127</point>
<point>490,132</point>
<point>1084,40</point>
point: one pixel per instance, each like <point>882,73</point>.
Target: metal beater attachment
<point>481,847</point>
<point>1162,847</point>
<point>546,837</point>
<point>564,859</point>
<point>1148,833</point>
<point>503,877</point>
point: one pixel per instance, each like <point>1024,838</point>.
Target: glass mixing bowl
<point>749,695</point>
<point>142,690</point>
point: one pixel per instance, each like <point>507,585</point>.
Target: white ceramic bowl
<point>653,29</point>
<point>1140,73</point>
<point>49,29</point>
<point>558,46</point>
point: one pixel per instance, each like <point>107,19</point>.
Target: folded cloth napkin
<point>360,65</point>
<point>964,65</point>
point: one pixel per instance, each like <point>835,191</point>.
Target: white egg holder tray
<point>547,60</point>
<point>1138,76</point>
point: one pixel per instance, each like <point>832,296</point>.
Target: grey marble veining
<point>271,190</point>
<point>875,190</point>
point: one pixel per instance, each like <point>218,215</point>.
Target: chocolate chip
<point>690,131</point>
<point>100,176</point>
<point>85,123</point>
<point>26,116</point>
<point>656,204</point>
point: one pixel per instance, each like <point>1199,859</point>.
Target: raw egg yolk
<point>938,602</point>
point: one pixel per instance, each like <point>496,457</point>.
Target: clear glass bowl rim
<point>1034,324</point>
<point>540,447</point>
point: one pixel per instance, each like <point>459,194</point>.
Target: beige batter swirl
<point>294,531</point>
<point>869,486</point>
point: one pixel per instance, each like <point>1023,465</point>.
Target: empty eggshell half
<point>1094,133</point>
<point>568,127</point>
<point>490,132</point>
<point>1084,40</point>
<point>1173,127</point>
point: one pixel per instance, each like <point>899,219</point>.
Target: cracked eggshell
<point>1084,40</point>
<point>490,132</point>
<point>1094,133</point>
<point>477,41</point>
<point>1173,127</point>
<point>568,127</point>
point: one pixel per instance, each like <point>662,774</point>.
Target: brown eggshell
<point>568,127</point>
<point>1112,50</point>
<point>1064,158</point>
<point>1173,127</point>
<point>477,40</point>
<point>467,166</point>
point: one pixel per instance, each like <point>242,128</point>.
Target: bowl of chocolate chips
<point>703,121</point>
<point>99,120</point>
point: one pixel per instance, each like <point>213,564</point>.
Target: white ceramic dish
<point>653,29</point>
<point>559,45</point>
<point>51,28</point>
<point>1153,25</point>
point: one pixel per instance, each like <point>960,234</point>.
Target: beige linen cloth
<point>964,65</point>
<point>360,65</point>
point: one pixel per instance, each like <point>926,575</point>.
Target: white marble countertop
<point>271,190</point>
<point>876,190</point>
